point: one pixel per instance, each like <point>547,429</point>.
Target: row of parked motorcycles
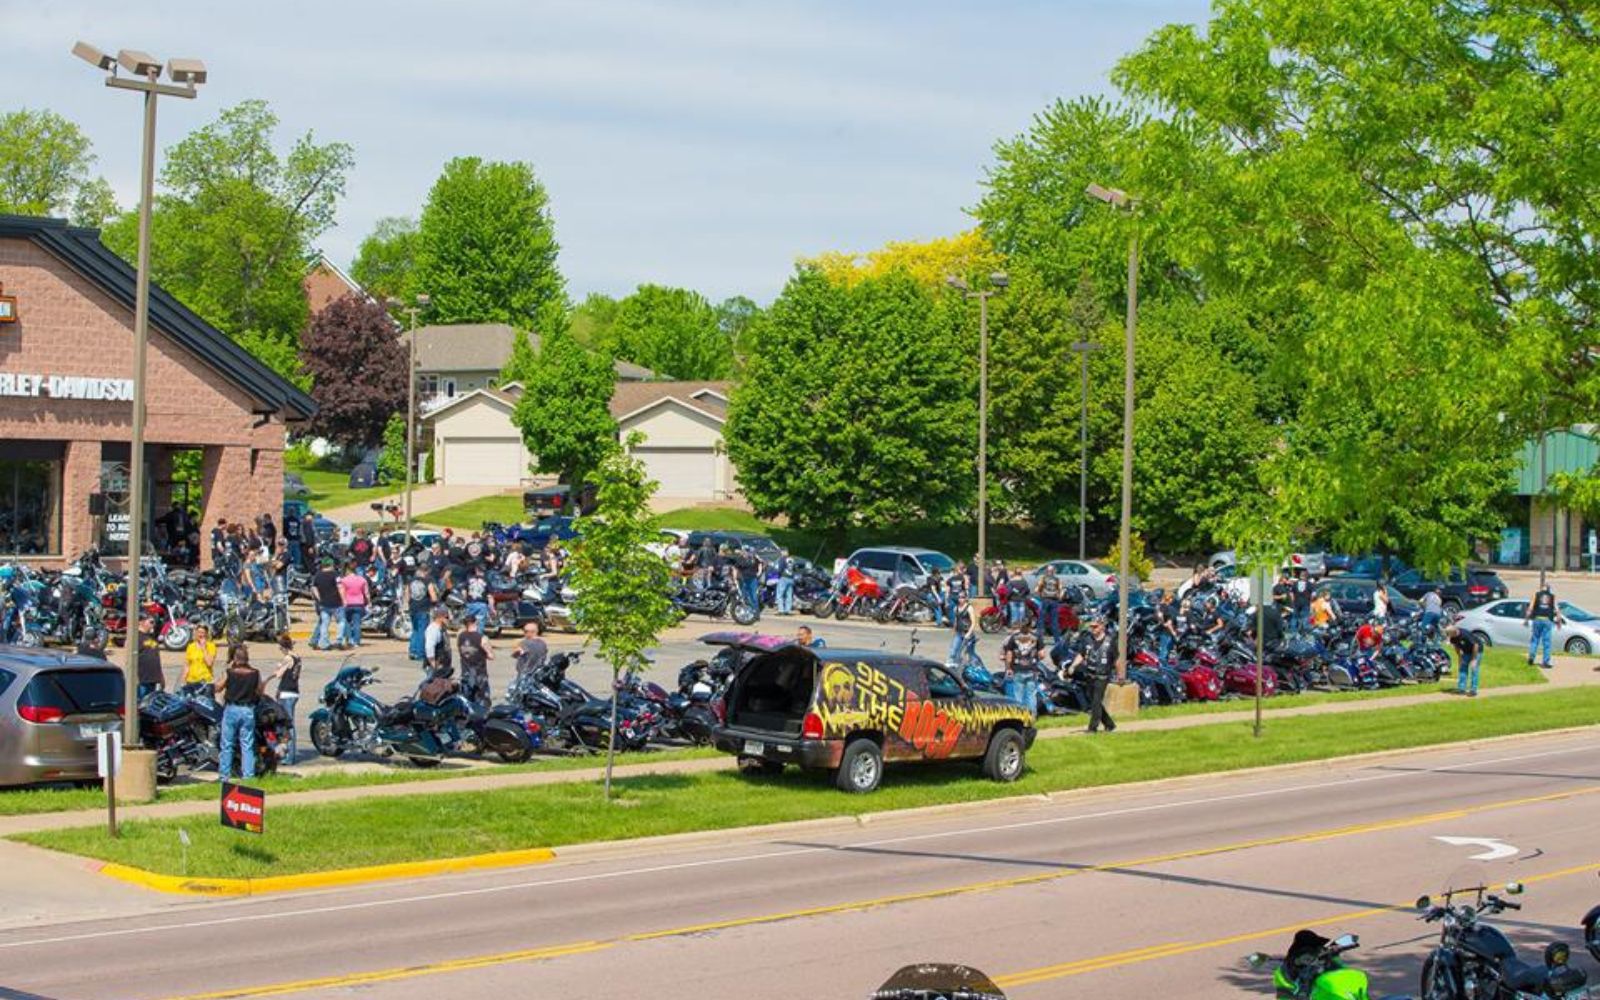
<point>1472,959</point>
<point>543,709</point>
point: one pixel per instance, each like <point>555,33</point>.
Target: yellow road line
<point>855,906</point>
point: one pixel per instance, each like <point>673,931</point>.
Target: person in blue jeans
<point>1469,657</point>
<point>240,688</point>
<point>1543,615</point>
<point>783,596</point>
<point>419,601</point>
<point>964,638</point>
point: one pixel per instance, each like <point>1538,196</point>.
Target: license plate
<point>754,748</point>
<point>89,730</point>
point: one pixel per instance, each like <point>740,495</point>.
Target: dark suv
<point>761,546</point>
<point>1458,591</point>
<point>850,711</point>
<point>1353,596</point>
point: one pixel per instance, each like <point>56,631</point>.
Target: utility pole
<point>1082,348</point>
<point>997,282</point>
<point>419,304</point>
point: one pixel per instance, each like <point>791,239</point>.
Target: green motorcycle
<point>1313,970</point>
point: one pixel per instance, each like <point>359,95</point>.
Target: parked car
<point>668,537</point>
<point>852,711</point>
<point>538,535</point>
<point>1097,577</point>
<point>1457,590</point>
<point>1310,560</point>
<point>1353,596</point>
<point>559,499</point>
<point>1499,623</point>
<point>1375,566</point>
<point>294,486</point>
<point>894,565</point>
<point>764,548</point>
<point>52,706</point>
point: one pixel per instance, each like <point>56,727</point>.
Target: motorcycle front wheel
<point>322,738</point>
<point>400,626</point>
<point>822,607</point>
<point>177,638</point>
<point>744,614</point>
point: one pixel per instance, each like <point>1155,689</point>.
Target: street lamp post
<point>1082,349</point>
<point>997,284</point>
<point>145,76</point>
<point>418,304</point>
<point>1120,200</point>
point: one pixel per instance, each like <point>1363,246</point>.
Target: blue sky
<point>703,143</point>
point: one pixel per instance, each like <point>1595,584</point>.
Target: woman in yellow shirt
<point>1322,612</point>
<point>199,658</point>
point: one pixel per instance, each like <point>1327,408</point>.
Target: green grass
<point>375,831</point>
<point>31,801</point>
<point>1501,668</point>
<point>470,516</point>
<point>957,541</point>
<point>330,488</point>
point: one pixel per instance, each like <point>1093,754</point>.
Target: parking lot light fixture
<point>146,79</point>
<point>419,303</point>
<point>997,284</point>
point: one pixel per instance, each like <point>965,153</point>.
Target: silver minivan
<point>53,704</point>
<point>895,565</point>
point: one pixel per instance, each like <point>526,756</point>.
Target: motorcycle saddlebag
<point>163,707</point>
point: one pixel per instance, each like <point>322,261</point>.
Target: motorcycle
<point>715,600</point>
<point>183,729</point>
<point>1476,960</point>
<point>1591,932</point>
<point>1313,969</point>
<point>351,720</point>
<point>908,603</point>
<point>930,981</point>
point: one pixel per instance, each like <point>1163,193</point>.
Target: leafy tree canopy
<point>672,331</point>
<point>386,261</point>
<point>564,413</point>
<point>45,163</point>
<point>357,367</point>
<point>968,255</point>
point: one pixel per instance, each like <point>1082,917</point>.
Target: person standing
<point>964,637</point>
<point>308,540</point>
<point>1049,591</point>
<point>955,587</point>
<point>436,642</point>
<point>1098,660</point>
<point>151,679</point>
<point>289,690</point>
<point>784,596</point>
<point>1544,615</point>
<point>200,658</point>
<point>419,590</point>
<point>1380,602</point>
<point>1469,658</point>
<point>1167,623</point>
<point>475,657</point>
<point>240,688</point>
<point>330,605</point>
<point>480,603</point>
<point>532,651</point>
<point>269,532</point>
<point>291,537</point>
<point>1300,600</point>
<point>1432,611</point>
<point>356,592</point>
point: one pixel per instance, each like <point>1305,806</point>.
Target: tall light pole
<point>1120,200</point>
<point>417,305</point>
<point>997,284</point>
<point>145,77</point>
<point>1082,349</point>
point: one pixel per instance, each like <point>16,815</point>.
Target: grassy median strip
<point>378,831</point>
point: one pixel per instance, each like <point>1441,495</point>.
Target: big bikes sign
<point>34,386</point>
<point>243,808</point>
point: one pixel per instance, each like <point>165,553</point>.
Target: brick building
<point>66,366</point>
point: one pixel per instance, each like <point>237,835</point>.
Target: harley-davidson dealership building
<point>66,406</point>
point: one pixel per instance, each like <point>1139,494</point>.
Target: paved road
<point>1116,894</point>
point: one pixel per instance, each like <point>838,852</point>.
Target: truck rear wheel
<point>861,767</point>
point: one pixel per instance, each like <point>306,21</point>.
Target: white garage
<point>682,472</point>
<point>475,443</point>
<point>479,462</point>
<point>682,427</point>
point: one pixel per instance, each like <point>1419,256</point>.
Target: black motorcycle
<point>1476,961</point>
<point>184,729</point>
<point>715,600</point>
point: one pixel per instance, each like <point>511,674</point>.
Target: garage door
<point>682,472</point>
<point>481,462</point>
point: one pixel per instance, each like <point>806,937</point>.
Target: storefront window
<point>30,507</point>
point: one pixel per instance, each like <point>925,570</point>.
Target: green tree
<point>621,585</point>
<point>235,224</point>
<point>520,365</point>
<point>392,459</point>
<point>486,247</point>
<point>386,261</point>
<point>672,331</point>
<point>856,406</point>
<point>592,318</point>
<point>736,318</point>
<point>564,413</point>
<point>45,163</point>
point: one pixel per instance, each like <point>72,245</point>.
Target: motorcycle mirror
<point>1424,903</point>
<point>1513,888</point>
<point>1256,959</point>
<point>1345,942</point>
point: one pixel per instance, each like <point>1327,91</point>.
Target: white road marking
<point>1497,849</point>
<point>766,856</point>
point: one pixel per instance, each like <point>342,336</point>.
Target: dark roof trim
<point>81,250</point>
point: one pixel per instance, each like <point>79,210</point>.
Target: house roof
<point>81,250</point>
<point>322,293</point>
<point>632,398</point>
<point>476,347</point>
<point>503,396</point>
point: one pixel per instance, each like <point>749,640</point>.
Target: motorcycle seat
<point>1525,978</point>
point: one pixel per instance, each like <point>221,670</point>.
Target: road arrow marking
<point>1497,849</point>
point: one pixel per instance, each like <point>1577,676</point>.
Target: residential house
<point>456,359</point>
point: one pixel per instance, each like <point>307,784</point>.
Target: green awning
<point>1564,451</point>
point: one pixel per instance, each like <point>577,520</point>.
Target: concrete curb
<point>183,885</point>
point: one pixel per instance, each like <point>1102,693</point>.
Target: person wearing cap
<point>151,679</point>
<point>1469,658</point>
<point>1097,658</point>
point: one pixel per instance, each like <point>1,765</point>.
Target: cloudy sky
<point>703,143</point>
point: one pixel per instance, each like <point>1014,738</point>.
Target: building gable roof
<point>81,250</point>
<point>481,347</point>
<point>633,398</point>
<point>500,396</point>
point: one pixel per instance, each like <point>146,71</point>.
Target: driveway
<point>424,499</point>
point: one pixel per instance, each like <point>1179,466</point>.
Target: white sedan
<point>1499,623</point>
<point>1098,578</point>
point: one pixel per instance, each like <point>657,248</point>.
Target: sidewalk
<point>1567,672</point>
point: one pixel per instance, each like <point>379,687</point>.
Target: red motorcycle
<point>173,630</point>
<point>993,618</point>
<point>860,593</point>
